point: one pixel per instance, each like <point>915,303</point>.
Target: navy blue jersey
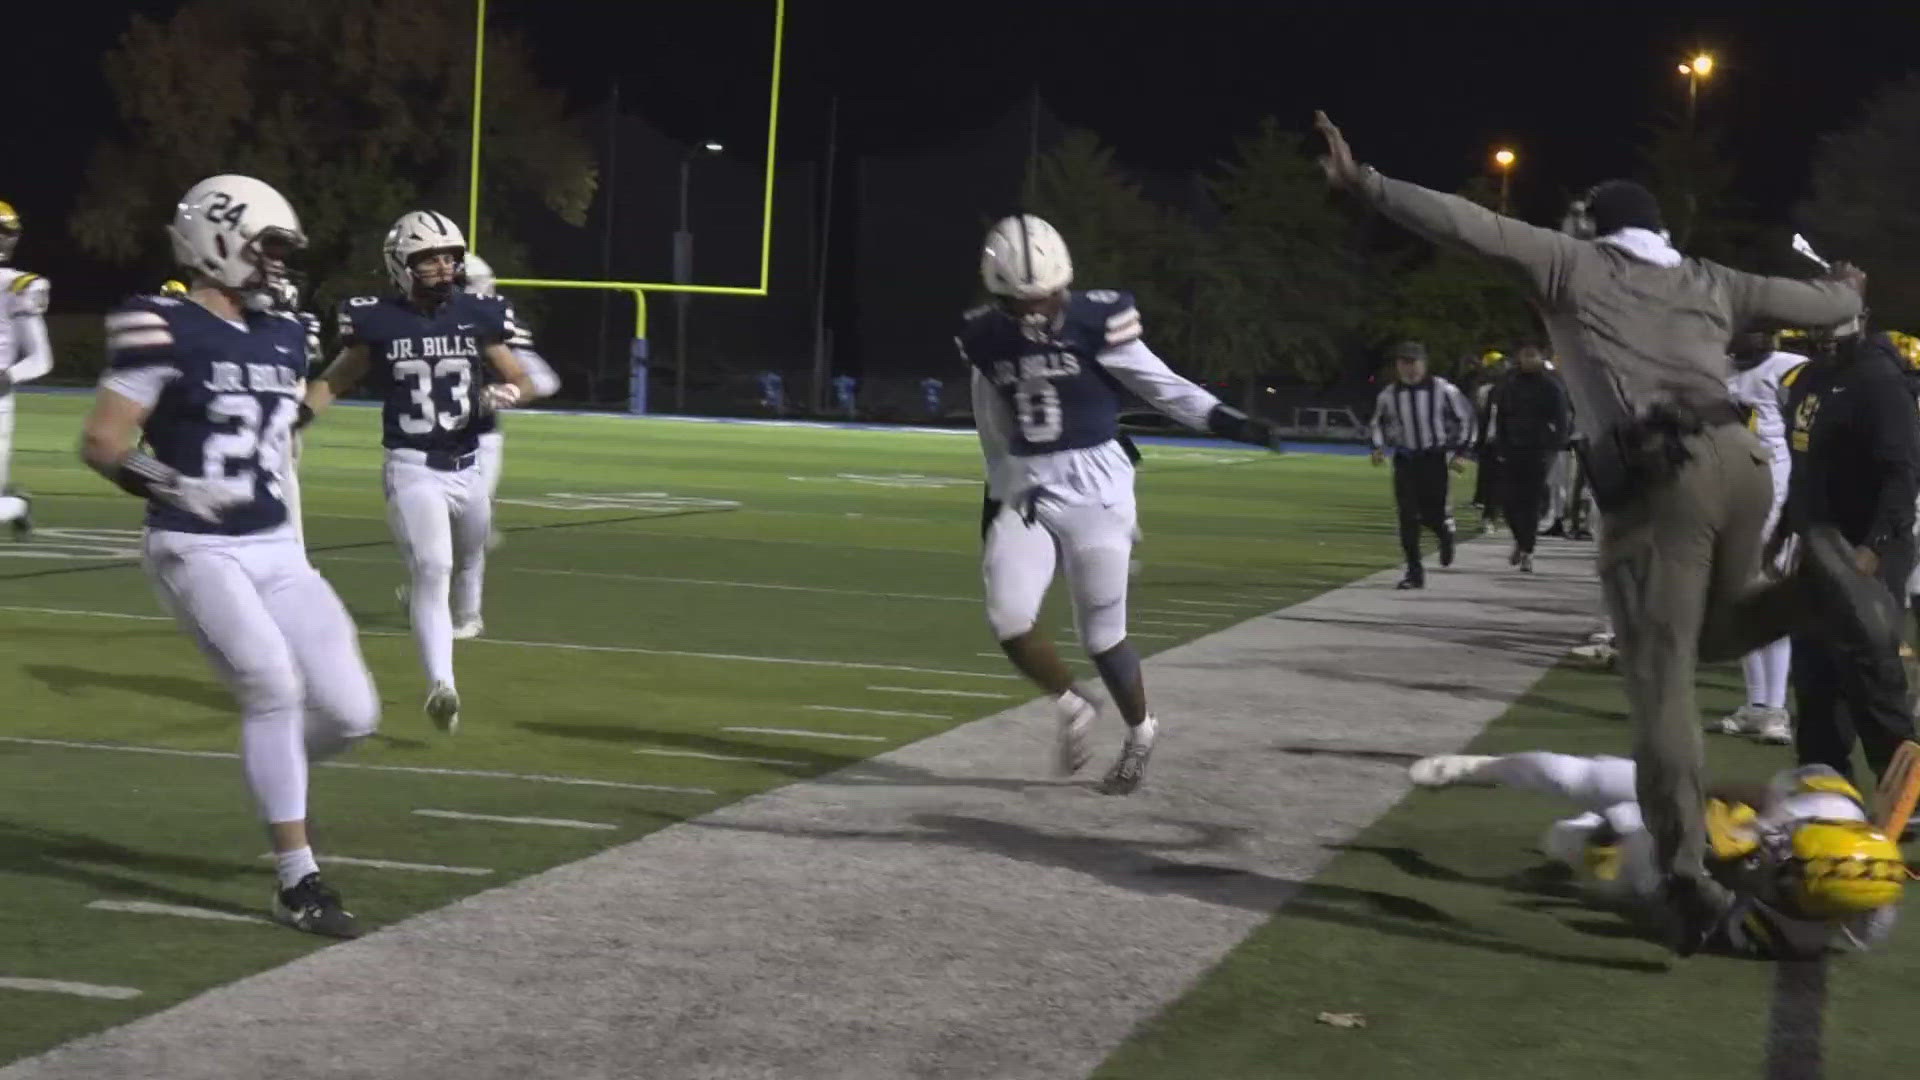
<point>223,401</point>
<point>427,368</point>
<point>1060,396</point>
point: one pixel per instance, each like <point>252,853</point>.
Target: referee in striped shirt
<point>1426,423</point>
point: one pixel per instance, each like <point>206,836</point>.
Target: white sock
<point>1779,664</point>
<point>1754,668</point>
<point>433,625</point>
<point>12,508</point>
<point>295,865</point>
<point>1143,735</point>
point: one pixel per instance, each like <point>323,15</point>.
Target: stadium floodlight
<point>711,147</point>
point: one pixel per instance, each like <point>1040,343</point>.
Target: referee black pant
<point>1420,495</point>
<point>1845,697</point>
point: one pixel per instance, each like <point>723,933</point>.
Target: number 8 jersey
<point>1060,396</point>
<point>427,368</point>
<point>221,400</point>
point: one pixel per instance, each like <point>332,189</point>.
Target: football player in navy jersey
<point>212,382</point>
<point>425,348</point>
<point>1050,367</point>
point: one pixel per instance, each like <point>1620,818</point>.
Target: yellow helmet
<point>1908,345</point>
<point>1491,357</point>
<point>9,229</point>
<point>173,287</point>
<point>1842,868</point>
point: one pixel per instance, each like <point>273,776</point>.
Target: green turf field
<point>1469,958</point>
<point>662,584</point>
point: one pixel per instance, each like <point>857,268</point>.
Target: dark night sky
<point>1424,91</point>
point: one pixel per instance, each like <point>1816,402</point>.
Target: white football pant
<point>440,520</point>
<point>1766,668</point>
<point>493,453</point>
<point>279,637</point>
<point>1604,788</point>
<point>11,508</point>
<point>1095,541</point>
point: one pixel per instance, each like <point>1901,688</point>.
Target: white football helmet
<point>221,224</point>
<point>417,233</point>
<point>1025,259</point>
<point>479,276</point>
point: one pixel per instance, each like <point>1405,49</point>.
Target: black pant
<point>1846,697</point>
<point>1420,494</point>
<point>1523,475</point>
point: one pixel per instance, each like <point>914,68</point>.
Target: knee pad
<point>1010,621</point>
<point>1100,597</point>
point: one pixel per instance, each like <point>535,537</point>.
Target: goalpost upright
<point>637,350</point>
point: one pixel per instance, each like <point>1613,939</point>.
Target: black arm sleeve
<point>1236,425</point>
<point>1896,449</point>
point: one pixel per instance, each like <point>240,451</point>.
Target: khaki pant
<point>1680,568</point>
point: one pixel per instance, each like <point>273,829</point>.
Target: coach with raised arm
<point>1683,488</point>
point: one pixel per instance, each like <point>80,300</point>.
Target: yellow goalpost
<point>637,354</point>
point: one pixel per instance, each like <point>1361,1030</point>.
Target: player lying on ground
<point>212,384</point>
<point>1808,870</point>
<point>422,345</point>
<point>1049,367</point>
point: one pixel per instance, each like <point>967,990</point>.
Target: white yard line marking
<point>558,823</point>
<point>392,864</point>
<point>611,576</point>
<point>876,712</point>
<point>538,778</point>
<point>148,907</point>
<point>1182,614</point>
<point>77,989</point>
<point>1168,622</point>
<point>1143,634</point>
<point>803,734</point>
<point>627,650</point>
<point>939,693</point>
<point>1212,604</point>
<point>94,614</point>
<point>717,757</point>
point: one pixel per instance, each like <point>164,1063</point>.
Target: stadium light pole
<point>1696,69</point>
<point>683,273</point>
<point>1503,159</point>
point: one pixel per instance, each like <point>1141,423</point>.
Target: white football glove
<point>497,396</point>
<point>204,499</point>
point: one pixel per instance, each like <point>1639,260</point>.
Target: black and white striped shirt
<point>1429,415</point>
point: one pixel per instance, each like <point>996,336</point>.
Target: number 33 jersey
<point>222,398</point>
<point>427,367</point>
<point>1059,395</point>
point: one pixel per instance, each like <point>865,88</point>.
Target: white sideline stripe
<point>558,823</point>
<point>1168,622</point>
<point>1182,614</point>
<point>77,989</point>
<point>538,778</point>
<point>391,864</point>
<point>148,907</point>
<point>612,576</point>
<point>939,693</point>
<point>1212,603</point>
<point>716,757</point>
<point>1003,656</point>
<point>1156,636</point>
<point>803,734</point>
<point>876,712</point>
<point>628,650</point>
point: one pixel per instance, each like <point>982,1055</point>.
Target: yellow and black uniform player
<point>1855,440</point>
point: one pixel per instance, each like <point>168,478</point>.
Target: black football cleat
<point>314,908</point>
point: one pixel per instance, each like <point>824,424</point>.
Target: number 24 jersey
<point>1060,396</point>
<point>427,367</point>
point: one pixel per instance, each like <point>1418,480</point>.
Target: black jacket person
<point>1529,426</point>
<point>1641,333</point>
<point>1855,440</point>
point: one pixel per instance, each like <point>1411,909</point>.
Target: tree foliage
<point>1696,183</point>
<point>1458,304</point>
<point>1866,201</point>
<point>1283,281</point>
<point>356,110</point>
<point>1119,238</point>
